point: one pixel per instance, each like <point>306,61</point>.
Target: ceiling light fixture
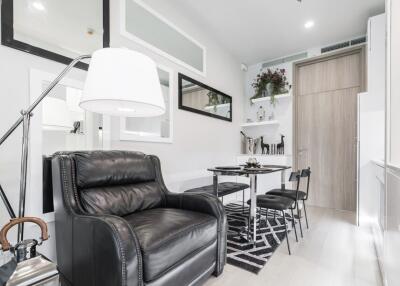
<point>309,24</point>
<point>38,6</point>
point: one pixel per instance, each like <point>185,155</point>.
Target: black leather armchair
<point>117,224</point>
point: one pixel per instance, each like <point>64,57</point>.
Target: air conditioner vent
<point>346,44</point>
<point>335,47</point>
<point>285,60</point>
<point>358,41</point>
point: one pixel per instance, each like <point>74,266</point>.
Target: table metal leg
<point>283,179</point>
<point>215,183</point>
<point>253,205</point>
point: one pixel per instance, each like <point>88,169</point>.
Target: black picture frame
<point>182,77</point>
<point>7,35</point>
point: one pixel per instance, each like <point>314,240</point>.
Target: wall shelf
<point>260,123</point>
<point>267,98</point>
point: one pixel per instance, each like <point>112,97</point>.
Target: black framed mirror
<point>58,30</point>
<point>199,98</point>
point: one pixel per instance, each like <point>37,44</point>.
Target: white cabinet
<point>371,123</point>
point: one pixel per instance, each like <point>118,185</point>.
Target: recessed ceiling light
<point>38,6</point>
<point>309,24</point>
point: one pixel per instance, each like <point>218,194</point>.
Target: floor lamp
<point>120,82</point>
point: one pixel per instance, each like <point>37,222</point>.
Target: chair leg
<point>305,212</point>
<point>274,214</point>
<point>243,202</point>
<point>287,236</point>
<point>294,226</point>
<point>298,214</point>
<point>259,220</point>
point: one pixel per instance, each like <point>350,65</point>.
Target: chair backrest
<point>295,177</point>
<point>116,182</point>
<point>306,173</point>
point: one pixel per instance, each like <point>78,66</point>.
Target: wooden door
<point>326,126</point>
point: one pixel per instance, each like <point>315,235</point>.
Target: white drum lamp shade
<point>56,115</point>
<point>122,82</point>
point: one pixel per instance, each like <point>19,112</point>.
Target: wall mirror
<point>144,25</point>
<point>58,30</point>
<point>154,129</point>
<point>199,98</point>
<point>59,124</point>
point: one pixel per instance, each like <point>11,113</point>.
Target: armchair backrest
<point>116,182</point>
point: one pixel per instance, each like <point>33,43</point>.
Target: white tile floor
<point>333,252</point>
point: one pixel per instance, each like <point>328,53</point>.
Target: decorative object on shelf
<point>269,84</point>
<point>199,98</point>
<point>250,144</point>
<point>281,146</point>
<point>273,149</point>
<point>261,114</point>
<point>27,267</point>
<point>264,147</point>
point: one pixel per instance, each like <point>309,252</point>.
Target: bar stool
<point>276,203</point>
<point>297,195</point>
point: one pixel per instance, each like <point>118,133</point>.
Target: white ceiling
<point>257,30</point>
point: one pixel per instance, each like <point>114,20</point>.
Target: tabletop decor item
<point>252,163</point>
<point>270,83</point>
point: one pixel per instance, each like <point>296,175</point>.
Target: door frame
<point>360,49</point>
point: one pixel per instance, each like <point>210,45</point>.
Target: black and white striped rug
<point>243,254</point>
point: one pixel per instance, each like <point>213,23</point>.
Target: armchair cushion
<point>98,168</point>
<point>169,236</point>
<point>121,200</point>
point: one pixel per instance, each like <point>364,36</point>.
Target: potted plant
<point>270,83</point>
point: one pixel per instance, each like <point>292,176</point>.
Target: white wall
<point>199,141</point>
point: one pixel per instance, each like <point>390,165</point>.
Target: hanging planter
<point>269,84</point>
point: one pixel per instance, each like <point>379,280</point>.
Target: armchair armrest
<point>105,252</point>
<point>208,204</point>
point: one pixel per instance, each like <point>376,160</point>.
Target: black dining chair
<point>281,204</point>
<point>297,195</point>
